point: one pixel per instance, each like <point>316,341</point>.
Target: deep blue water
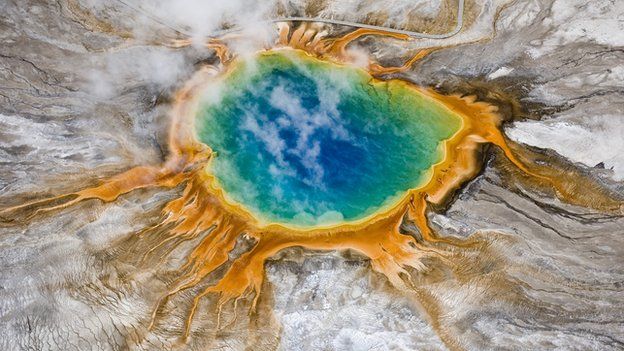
<point>303,142</point>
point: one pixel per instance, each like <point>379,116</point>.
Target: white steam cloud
<point>294,117</point>
<point>146,60</point>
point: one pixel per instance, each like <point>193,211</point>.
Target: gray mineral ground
<point>86,93</point>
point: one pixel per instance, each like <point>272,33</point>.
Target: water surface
<point>305,142</point>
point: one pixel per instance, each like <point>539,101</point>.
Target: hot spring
<point>305,142</point>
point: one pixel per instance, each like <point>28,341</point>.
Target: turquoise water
<point>305,142</point>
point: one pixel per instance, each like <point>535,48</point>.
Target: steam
<point>152,63</point>
<point>201,17</point>
<point>157,67</point>
<point>305,123</point>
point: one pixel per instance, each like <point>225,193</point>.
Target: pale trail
<point>217,34</point>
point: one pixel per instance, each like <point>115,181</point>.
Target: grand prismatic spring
<point>308,148</point>
<point>305,142</point>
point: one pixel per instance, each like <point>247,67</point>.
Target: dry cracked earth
<point>85,87</point>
